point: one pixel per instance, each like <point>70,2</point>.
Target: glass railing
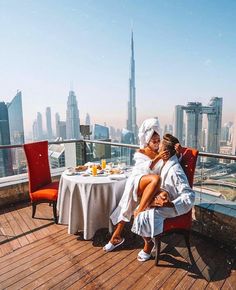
<point>215,174</point>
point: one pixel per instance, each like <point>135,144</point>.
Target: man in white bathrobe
<point>149,223</point>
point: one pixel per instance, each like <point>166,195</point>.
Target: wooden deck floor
<point>37,254</point>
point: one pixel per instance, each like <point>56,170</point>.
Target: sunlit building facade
<point>72,117</point>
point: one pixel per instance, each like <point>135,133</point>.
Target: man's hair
<point>169,142</point>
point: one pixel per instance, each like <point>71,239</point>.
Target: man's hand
<point>178,149</point>
<point>162,200</point>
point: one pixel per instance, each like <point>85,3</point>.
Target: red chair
<point>41,187</point>
<point>180,224</point>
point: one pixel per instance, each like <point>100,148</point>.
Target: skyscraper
<point>87,120</point>
<point>72,117</point>
<point>234,138</point>
<point>194,112</point>
<point>15,116</point>
<point>178,126</point>
<point>194,125</point>
<point>39,126</point>
<point>16,127</point>
<point>57,121</point>
<point>131,122</point>
<point>214,116</point>
<point>127,137</point>
<point>49,123</point>
<point>5,154</point>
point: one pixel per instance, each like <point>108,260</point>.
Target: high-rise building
<point>101,132</point>
<point>131,122</point>
<point>72,117</point>
<point>49,123</point>
<point>87,120</point>
<point>214,116</point>
<point>62,130</point>
<point>127,137</point>
<point>5,154</point>
<point>15,116</point>
<point>39,126</point>
<point>194,124</point>
<point>194,112</point>
<point>168,128</point>
<point>35,130</point>
<point>179,121</point>
<point>234,138</point>
<point>60,127</point>
<point>56,154</point>
<point>57,120</point>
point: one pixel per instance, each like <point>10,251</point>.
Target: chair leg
<point>55,212</point>
<point>158,249</point>
<point>33,209</point>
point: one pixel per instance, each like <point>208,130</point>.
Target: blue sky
<point>184,51</point>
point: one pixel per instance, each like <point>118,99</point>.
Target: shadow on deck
<point>36,253</point>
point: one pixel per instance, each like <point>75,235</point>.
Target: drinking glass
<point>104,163</point>
<point>94,170</point>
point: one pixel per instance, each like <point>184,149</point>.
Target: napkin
<point>117,176</point>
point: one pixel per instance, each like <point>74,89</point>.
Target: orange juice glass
<point>104,164</point>
<point>94,170</point>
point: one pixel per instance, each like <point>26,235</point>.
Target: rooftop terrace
<point>38,254</point>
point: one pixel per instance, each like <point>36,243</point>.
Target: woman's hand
<point>165,155</point>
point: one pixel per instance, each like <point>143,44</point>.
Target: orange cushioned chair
<point>41,187</point>
<point>180,224</point>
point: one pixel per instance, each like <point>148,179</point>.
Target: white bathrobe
<point>149,223</point>
<point>129,200</point>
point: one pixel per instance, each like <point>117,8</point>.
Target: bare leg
<point>148,245</point>
<point>149,185</point>
<point>116,237</point>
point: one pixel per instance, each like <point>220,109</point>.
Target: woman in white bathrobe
<point>149,223</point>
<point>144,182</point>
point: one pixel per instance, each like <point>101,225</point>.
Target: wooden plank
<point>204,263</point>
<point>25,213</point>
<point>153,271</point>
<point>182,268</point>
<point>24,227</point>
<point>58,273</point>
<point>123,258</point>
<point>113,265</point>
<point>230,282</point>
<point>5,249</point>
<point>81,268</point>
<point>7,230</point>
<point>35,223</point>
<point>28,271</point>
<point>18,258</point>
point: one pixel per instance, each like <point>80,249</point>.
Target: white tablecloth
<point>86,203</point>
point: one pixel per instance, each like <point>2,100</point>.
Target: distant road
<point>216,182</point>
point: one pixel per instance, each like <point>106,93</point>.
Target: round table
<point>85,203</point>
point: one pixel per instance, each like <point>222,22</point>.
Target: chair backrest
<point>188,162</point>
<point>38,164</point>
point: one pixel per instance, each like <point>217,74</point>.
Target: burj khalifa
<point>131,122</point>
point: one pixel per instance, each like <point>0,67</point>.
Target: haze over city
<point>184,51</point>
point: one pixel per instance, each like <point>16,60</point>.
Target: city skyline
<point>185,52</point>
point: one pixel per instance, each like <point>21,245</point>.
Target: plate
<point>67,172</point>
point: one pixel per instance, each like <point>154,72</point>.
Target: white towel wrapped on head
<point>146,131</point>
